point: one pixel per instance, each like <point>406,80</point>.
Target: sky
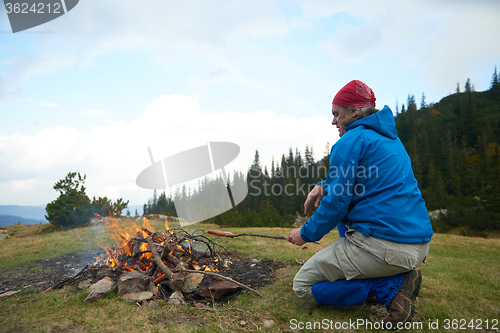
<point>90,91</point>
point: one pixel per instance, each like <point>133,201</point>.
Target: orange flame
<point>146,225</point>
<point>131,249</point>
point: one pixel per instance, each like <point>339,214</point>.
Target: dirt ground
<point>43,274</point>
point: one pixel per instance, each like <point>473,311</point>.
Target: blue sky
<point>91,90</point>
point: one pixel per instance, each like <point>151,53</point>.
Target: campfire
<point>178,248</point>
<point>144,265</point>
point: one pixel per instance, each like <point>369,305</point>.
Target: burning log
<point>176,282</point>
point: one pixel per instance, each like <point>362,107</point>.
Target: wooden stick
<point>259,235</point>
<point>222,277</point>
<point>176,281</point>
<point>231,235</point>
<point>157,259</point>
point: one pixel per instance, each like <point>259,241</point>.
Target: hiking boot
<point>411,284</point>
<point>401,309</point>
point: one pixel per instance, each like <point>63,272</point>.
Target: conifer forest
<point>454,146</point>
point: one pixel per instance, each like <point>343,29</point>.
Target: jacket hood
<point>381,122</point>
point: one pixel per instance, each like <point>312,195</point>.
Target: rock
<point>137,297</point>
<point>216,288</point>
<point>435,214</point>
<point>95,221</point>
<point>192,282</point>
<point>134,282</point>
<point>176,298</point>
<point>85,284</point>
<point>300,220</point>
<point>100,288</point>
<point>268,323</point>
<point>99,220</point>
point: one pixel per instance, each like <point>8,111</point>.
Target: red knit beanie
<point>355,94</point>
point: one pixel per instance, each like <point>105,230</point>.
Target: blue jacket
<point>370,186</point>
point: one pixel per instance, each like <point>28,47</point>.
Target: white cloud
<point>441,41</point>
<point>112,156</point>
<point>172,28</point>
<point>49,104</point>
<point>438,38</point>
<point>259,49</point>
<point>95,112</point>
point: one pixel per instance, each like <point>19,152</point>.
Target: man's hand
<point>317,193</point>
<point>295,238</point>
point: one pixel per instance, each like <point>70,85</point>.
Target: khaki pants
<point>357,257</point>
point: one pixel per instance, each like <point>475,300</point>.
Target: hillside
<point>27,212</point>
<point>454,146</point>
<point>460,287</point>
<point>6,220</point>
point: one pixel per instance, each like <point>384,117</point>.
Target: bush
<point>73,207</point>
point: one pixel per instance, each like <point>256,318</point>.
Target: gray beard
<point>348,121</point>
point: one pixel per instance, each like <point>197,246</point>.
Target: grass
<point>461,282</point>
<point>30,243</point>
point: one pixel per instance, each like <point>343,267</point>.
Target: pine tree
<point>73,207</point>
<point>495,79</point>
<point>495,84</point>
<point>422,103</point>
<point>255,179</point>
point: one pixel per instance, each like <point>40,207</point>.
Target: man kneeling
<point>372,196</point>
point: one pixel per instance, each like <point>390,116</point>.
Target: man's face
<point>342,118</point>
